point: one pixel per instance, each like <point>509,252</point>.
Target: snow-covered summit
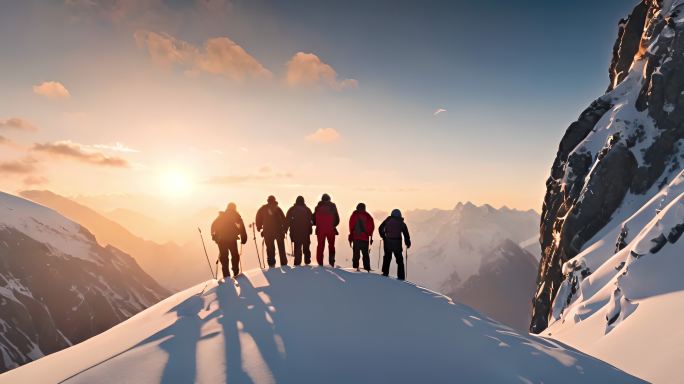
<point>313,325</point>
<point>46,226</point>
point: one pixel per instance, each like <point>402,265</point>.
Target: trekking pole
<point>263,242</point>
<point>205,253</point>
<point>406,271</point>
<point>256,247</point>
<point>379,250</point>
<point>240,256</point>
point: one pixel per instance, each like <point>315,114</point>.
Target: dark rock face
<point>588,185</point>
<point>50,302</point>
<point>627,43</point>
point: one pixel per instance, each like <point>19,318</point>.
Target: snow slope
<point>313,325</point>
<point>609,304</point>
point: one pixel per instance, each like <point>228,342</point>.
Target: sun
<point>175,184</point>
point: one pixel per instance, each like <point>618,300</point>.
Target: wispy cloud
<point>52,90</point>
<point>17,123</point>
<point>324,135</point>
<point>438,111</point>
<point>115,147</point>
<point>219,56</point>
<point>307,70</point>
<point>23,166</point>
<point>78,152</point>
<point>35,180</point>
<point>243,179</point>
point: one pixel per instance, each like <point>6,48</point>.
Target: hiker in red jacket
<point>326,219</point>
<point>299,221</point>
<point>225,231</point>
<point>361,227</point>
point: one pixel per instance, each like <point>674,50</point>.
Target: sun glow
<point>175,184</point>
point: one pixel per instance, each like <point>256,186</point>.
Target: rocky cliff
<point>622,150</point>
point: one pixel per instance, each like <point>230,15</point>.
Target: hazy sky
<point>399,104</point>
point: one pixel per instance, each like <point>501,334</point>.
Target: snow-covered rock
<point>616,305</point>
<point>59,287</point>
<point>314,325</point>
<point>610,274</point>
<point>622,150</point>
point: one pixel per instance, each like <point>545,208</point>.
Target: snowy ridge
<point>63,236</point>
<point>275,327</point>
<point>57,285</point>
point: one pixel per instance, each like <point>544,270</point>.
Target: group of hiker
<point>299,221</point>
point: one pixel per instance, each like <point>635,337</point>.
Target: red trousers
<point>321,247</point>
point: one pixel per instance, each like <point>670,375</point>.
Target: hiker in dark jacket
<point>361,227</point>
<point>299,221</point>
<point>391,231</point>
<point>326,219</point>
<point>225,230</point>
<point>270,220</point>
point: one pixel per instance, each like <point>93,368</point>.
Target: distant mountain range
<point>472,254</point>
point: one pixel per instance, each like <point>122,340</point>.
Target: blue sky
<point>511,76</point>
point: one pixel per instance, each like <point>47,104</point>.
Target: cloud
<point>242,179</point>
<point>219,56</point>
<point>35,180</point>
<point>307,70</point>
<point>438,111</point>
<point>75,151</point>
<point>324,135</point>
<point>115,147</point>
<point>17,123</point>
<point>23,166</point>
<point>52,90</point>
